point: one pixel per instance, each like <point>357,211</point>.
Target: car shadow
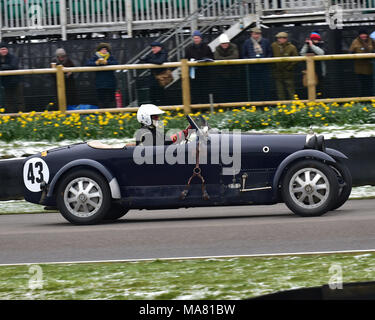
<point>170,219</point>
<point>125,220</point>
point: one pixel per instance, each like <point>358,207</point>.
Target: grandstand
<point>69,18</point>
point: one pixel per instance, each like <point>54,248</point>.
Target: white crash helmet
<point>145,112</point>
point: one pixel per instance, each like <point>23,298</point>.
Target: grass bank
<point>224,278</point>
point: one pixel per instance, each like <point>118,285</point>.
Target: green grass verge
<point>224,278</point>
<point>20,207</point>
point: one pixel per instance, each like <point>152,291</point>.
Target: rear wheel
<point>83,197</point>
<point>310,188</point>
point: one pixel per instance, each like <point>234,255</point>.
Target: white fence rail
<point>23,17</point>
<point>308,5</point>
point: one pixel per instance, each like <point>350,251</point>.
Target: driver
<point>151,132</point>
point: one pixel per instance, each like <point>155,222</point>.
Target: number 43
<point>30,173</point>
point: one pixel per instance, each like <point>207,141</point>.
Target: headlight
<point>315,142</point>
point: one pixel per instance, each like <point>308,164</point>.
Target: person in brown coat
<point>363,67</point>
<point>283,72</point>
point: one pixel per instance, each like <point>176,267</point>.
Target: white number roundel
<point>35,171</point>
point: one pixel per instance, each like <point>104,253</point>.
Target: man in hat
<point>61,58</point>
<point>256,46</point>
<point>158,55</point>
<point>363,67</point>
<point>283,72</point>
<point>198,50</point>
<point>259,75</point>
<point>13,87</point>
<point>105,81</point>
<point>200,82</point>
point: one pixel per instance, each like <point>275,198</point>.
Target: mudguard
<point>112,181</point>
<point>336,154</point>
<point>309,153</point>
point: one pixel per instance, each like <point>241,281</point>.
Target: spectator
<point>259,74</point>
<point>226,76</point>
<point>200,82</point>
<point>363,67</point>
<point>284,72</point>
<point>314,46</point>
<point>70,86</point>
<point>226,50</point>
<point>105,80</point>
<point>158,56</point>
<point>13,87</point>
<point>198,50</point>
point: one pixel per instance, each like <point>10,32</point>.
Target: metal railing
<point>33,17</point>
<point>309,5</point>
<point>185,66</point>
<point>43,17</point>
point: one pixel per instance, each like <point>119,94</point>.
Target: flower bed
<point>56,126</point>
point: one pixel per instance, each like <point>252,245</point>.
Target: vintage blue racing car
<point>90,182</point>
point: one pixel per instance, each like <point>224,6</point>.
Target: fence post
<point>311,78</point>
<point>185,84</point>
<point>63,20</point>
<point>61,92</point>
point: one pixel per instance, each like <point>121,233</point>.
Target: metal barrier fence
<point>63,17</point>
<point>42,17</point>
<point>187,85</point>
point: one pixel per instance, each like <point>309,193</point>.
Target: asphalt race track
<point>34,238</point>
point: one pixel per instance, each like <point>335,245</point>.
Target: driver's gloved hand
<point>186,131</point>
<point>181,135</point>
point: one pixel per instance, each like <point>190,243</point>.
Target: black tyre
<point>115,212</point>
<point>345,183</point>
<point>310,188</point>
<point>83,197</point>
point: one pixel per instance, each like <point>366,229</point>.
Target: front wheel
<point>310,188</point>
<point>84,197</point>
<point>345,183</point>
<point>115,212</point>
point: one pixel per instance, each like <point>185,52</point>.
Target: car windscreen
<point>200,121</point>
